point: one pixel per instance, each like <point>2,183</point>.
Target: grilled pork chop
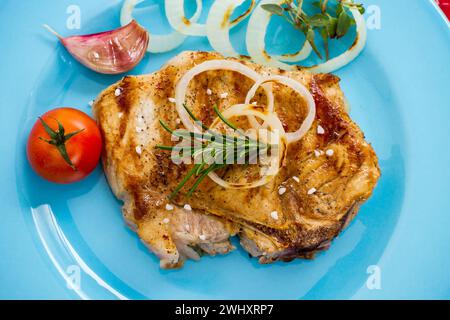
<point>327,175</point>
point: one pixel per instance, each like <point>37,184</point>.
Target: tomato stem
<point>58,139</point>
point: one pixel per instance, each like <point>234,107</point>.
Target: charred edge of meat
<point>294,251</point>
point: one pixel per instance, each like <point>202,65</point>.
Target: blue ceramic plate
<point>397,247</point>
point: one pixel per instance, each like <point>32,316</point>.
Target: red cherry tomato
<point>64,145</point>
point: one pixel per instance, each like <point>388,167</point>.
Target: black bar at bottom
<point>227,309</point>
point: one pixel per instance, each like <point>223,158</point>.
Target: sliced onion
<point>183,84</point>
<point>351,54</point>
<point>177,19</point>
<point>275,124</point>
<point>244,15</point>
<point>158,43</point>
<point>297,87</point>
<point>218,25</point>
<point>126,13</point>
<point>256,40</point>
<point>300,55</point>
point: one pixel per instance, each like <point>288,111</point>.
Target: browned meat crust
<point>143,176</point>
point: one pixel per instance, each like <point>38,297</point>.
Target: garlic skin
<point>111,52</point>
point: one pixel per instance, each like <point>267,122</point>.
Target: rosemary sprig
<point>216,150</point>
<point>332,21</point>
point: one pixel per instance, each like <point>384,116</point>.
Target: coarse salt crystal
<point>317,153</point>
<point>178,121</point>
<point>320,130</point>
<point>202,237</point>
<point>281,191</point>
<point>118,92</point>
<point>296,179</point>
<point>187,207</point>
<point>166,221</point>
<point>96,55</point>
<point>120,114</point>
<point>330,152</point>
<point>173,100</point>
<point>91,103</point>
<point>169,207</point>
<point>208,92</point>
<point>274,215</point>
<point>224,95</point>
<point>312,191</point>
<point>139,150</point>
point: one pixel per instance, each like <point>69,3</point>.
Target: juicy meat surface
<point>337,163</point>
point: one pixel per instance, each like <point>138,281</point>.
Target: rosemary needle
<point>213,144</point>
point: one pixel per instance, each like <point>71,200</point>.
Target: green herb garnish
<point>213,151</point>
<point>331,22</point>
<point>58,139</point>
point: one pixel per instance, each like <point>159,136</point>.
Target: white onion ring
<point>349,55</point>
<point>256,35</point>
<point>179,22</point>
<point>242,17</point>
<point>275,124</point>
<point>300,55</point>
<point>158,43</point>
<point>299,88</point>
<point>183,83</point>
<point>218,25</point>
